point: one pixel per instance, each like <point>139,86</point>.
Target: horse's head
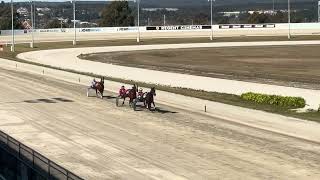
<point>102,80</point>
<point>134,87</point>
<point>153,91</point>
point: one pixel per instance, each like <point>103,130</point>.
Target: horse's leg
<point>130,101</point>
<point>101,92</point>
<point>124,98</point>
<point>149,105</point>
<point>96,92</point>
<point>152,100</point>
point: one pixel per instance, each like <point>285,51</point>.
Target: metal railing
<point>34,160</point>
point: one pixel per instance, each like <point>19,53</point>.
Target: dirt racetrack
<point>297,66</point>
<point>96,140</point>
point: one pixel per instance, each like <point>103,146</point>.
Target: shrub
<point>283,101</point>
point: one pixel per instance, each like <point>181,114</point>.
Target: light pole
<point>289,21</point>
<point>74,22</point>
<point>12,27</point>
<point>211,4</point>
<point>32,36</point>
<point>164,20</point>
<point>34,15</point>
<point>138,4</point>
<point>319,11</point>
<point>272,6</point>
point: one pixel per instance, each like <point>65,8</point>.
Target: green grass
<point>212,96</point>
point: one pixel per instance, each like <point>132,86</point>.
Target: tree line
<point>124,13</point>
<point>5,17</point>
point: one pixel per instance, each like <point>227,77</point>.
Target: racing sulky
<point>98,87</point>
<point>126,93</point>
<point>147,99</point>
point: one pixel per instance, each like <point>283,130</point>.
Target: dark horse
<point>131,94</point>
<point>149,98</point>
<point>100,87</point>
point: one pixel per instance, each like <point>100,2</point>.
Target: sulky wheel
<point>134,105</point>
<point>117,101</point>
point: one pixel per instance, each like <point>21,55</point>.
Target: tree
<point>280,17</point>
<point>117,13</point>
<point>55,24</point>
<point>257,18</point>
<point>5,17</point>
<point>223,20</point>
<point>201,19</point>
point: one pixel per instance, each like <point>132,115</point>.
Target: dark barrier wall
<point>12,169</point>
<point>17,161</point>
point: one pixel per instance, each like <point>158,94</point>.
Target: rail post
<point>49,174</point>
<point>19,155</point>
<point>7,140</point>
<point>32,158</point>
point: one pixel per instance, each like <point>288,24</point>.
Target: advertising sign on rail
<point>175,28</point>
<point>91,30</point>
<point>127,29</point>
<point>50,30</point>
<point>238,26</point>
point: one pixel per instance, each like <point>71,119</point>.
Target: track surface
<point>96,140</point>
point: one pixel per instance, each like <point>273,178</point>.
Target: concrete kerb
<point>254,118</point>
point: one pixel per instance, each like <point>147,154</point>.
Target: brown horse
<point>99,87</point>
<point>131,94</point>
<point>150,98</point>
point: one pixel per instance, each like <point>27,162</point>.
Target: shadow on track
<point>163,111</point>
<point>42,100</point>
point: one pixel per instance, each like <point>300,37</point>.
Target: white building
<point>159,9</point>
<point>43,9</point>
<point>23,11</point>
<point>232,13</point>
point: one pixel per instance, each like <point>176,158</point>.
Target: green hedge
<point>283,101</point>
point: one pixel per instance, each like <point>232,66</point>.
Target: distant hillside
<point>230,3</point>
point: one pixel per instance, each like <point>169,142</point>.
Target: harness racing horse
<point>99,87</point>
<point>149,98</point>
<point>131,94</point>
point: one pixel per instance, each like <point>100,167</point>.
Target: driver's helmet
<point>140,90</point>
<point>94,80</point>
<point>122,87</point>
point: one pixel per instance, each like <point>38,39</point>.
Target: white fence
<point>293,26</point>
<point>68,30</point>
